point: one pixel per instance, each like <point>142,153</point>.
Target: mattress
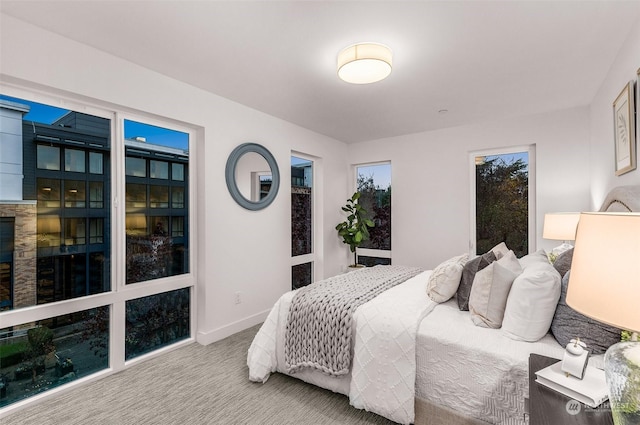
<point>478,372</point>
<point>382,376</point>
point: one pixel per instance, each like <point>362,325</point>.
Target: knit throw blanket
<point>318,333</point>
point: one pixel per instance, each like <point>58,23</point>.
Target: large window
<point>157,203</point>
<point>63,238</point>
<point>156,321</point>
<point>502,208</point>
<point>45,354</point>
<point>374,185</point>
<point>301,221</point>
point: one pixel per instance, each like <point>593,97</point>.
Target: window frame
<point>372,252</point>
<point>315,256</point>
<point>119,292</point>
<point>531,200</point>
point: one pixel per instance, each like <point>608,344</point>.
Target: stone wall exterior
<point>25,251</point>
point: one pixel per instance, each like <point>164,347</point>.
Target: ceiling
<point>478,60</point>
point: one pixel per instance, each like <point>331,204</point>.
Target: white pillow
<point>490,290</point>
<point>538,257</point>
<point>500,250</point>
<point>445,278</point>
<point>532,302</point>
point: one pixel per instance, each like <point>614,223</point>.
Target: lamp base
<point>622,371</point>
<point>561,248</point>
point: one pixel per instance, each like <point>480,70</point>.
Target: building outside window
<point>156,206</point>
<point>57,244</point>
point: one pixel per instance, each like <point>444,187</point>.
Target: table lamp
<point>560,226</point>
<point>605,285</point>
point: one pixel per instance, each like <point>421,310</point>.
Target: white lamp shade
<point>560,226</point>
<point>364,63</point>
<point>604,283</point>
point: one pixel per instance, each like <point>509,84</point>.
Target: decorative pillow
<point>568,324</point>
<point>468,273</point>
<point>490,290</point>
<point>563,262</point>
<point>538,257</point>
<point>500,250</point>
<point>445,278</point>
<point>532,301</point>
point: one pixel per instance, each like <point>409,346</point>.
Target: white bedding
<point>382,357</point>
<point>478,372</point>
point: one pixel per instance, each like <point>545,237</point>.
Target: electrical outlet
<point>238,298</point>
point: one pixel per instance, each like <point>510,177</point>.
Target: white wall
<point>431,178</point>
<point>574,165</point>
<point>622,71</point>
<point>239,250</point>
<point>431,195</point>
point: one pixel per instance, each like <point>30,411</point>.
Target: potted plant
<point>355,229</point>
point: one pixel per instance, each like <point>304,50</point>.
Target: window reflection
<point>95,163</point>
<point>96,230</point>
<point>177,172</point>
<point>75,195</point>
<point>48,193</point>
<point>136,167</point>
<point>159,196</point>
<point>74,231</point>
<point>48,231</point>
<point>136,196</point>
<point>177,226</point>
<point>96,195</point>
<point>177,197</point>
<point>74,160</point>
<point>158,169</point>
<point>48,157</point>
<point>136,224</point>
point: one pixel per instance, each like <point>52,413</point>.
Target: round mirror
<point>252,176</point>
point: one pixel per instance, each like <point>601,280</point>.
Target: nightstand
<point>548,407</point>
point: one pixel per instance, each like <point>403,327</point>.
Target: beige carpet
<point>196,385</point>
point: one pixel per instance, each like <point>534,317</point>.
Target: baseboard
<point>208,337</point>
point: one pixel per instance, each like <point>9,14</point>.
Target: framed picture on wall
<point>624,130</point>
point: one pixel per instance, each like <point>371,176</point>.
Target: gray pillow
<point>468,274</point>
<point>568,324</point>
<point>563,262</point>
<point>491,286</point>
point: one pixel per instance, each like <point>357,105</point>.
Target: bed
<point>416,360</point>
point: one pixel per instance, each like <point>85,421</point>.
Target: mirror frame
<point>230,176</point>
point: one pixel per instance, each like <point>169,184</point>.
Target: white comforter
<point>383,373</point>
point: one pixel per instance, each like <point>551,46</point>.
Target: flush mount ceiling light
<point>364,63</point>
